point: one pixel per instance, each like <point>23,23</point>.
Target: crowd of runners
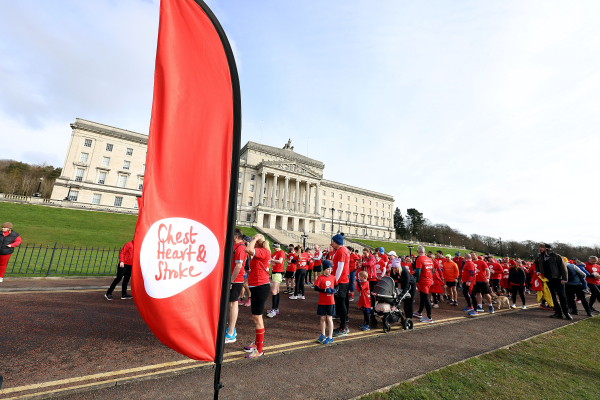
<point>341,275</point>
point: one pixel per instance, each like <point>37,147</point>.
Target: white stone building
<point>278,188</point>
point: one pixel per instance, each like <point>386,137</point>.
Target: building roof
<point>109,131</point>
<point>285,153</point>
<point>357,190</point>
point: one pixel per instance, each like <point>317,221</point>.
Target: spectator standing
<point>277,261</point>
<point>8,241</point>
<point>424,276</point>
<point>574,287</point>
<point>451,279</point>
<point>593,280</point>
<point>516,281</point>
<point>554,268</point>
<point>123,272</point>
<point>341,268</point>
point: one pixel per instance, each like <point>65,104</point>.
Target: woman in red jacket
<point>123,272</point>
<point>8,241</point>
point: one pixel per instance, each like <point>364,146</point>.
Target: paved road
<point>80,336</point>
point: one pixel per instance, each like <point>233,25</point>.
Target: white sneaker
<point>271,313</point>
<point>435,306</point>
<point>1,279</point>
<point>513,306</point>
<point>293,298</point>
<point>427,320</point>
<point>523,308</point>
<point>301,297</point>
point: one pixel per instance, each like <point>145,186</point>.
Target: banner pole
<point>233,184</point>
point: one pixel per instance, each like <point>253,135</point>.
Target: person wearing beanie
<point>341,268</point>
<point>123,272</point>
<point>553,267</point>
<point>8,241</point>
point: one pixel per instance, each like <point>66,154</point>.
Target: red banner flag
<point>186,218</point>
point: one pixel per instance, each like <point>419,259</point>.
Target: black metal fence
<point>46,260</point>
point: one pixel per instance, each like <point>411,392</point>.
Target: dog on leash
<point>502,301</point>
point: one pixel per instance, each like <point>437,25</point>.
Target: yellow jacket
<point>545,293</point>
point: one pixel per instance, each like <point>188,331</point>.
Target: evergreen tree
<point>414,221</point>
<point>399,225</point>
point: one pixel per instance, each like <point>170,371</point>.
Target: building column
<point>274,193</point>
<point>297,195</point>
<point>307,205</point>
<point>262,188</point>
<point>285,195</point>
<point>317,200</point>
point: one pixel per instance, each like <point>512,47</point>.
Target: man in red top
<point>482,288</point>
<point>468,279</point>
<point>593,280</point>
<point>123,272</point>
<point>424,277</point>
<point>341,268</point>
<point>459,261</point>
<point>276,278</point>
<point>290,272</point>
<point>354,257</point>
<point>496,272</point>
<point>237,283</point>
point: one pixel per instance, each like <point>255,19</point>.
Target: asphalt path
<point>56,342</point>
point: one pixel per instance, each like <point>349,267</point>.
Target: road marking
<point>52,291</point>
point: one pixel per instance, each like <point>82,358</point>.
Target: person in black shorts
<point>237,283</point>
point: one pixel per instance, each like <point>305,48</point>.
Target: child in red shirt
<point>325,286</point>
<point>364,303</point>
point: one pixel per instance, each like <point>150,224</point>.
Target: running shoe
<point>361,326</point>
<point>339,332</point>
<point>108,296</point>
<point>250,348</point>
<point>321,338</point>
<point>593,309</point>
<point>126,297</point>
<point>545,307</point>
<point>293,297</point>
<point>491,309</point>
<point>417,314</point>
<point>427,319</point>
<point>240,302</point>
<point>254,353</point>
<point>523,308</point>
<point>435,306</point>
<point>301,297</point>
<point>248,302</point>
<point>455,303</point>
<point>513,306</point>
<point>328,340</point>
<point>351,298</point>
<point>473,313</point>
<point>271,313</point>
<point>467,309</point>
<point>336,316</point>
<point>587,291</point>
<point>479,309</point>
<point>365,328</point>
<point>230,338</point>
<point>578,301</point>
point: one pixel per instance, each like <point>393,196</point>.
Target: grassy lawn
<point>559,365</point>
<point>401,248</point>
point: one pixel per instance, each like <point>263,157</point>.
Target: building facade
<point>277,189</point>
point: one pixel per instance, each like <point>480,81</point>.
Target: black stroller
<point>388,305</point>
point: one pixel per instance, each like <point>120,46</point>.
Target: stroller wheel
<point>408,324</point>
<point>386,327</point>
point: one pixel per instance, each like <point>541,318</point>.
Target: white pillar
<point>317,201</point>
<point>274,194</point>
<point>285,190</point>
<point>297,195</point>
<point>307,205</point>
<point>262,188</point>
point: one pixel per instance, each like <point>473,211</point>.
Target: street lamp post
<point>332,211</point>
<point>304,236</point>
<point>434,240</point>
<point>68,198</point>
<point>501,253</point>
<point>37,193</point>
<point>410,247</point>
<point>450,241</point>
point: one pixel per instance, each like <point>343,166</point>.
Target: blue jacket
<point>574,277</point>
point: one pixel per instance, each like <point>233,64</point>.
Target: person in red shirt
<point>451,279</point>
<point>482,288</point>
<point>459,261</point>
<point>424,276</point>
<point>468,279</point>
<point>237,283</point>
<point>364,302</point>
<point>496,272</point>
<point>310,265</point>
<point>123,272</point>
<point>325,285</point>
<point>301,267</point>
<point>258,281</point>
<point>341,268</point>
<point>9,239</point>
<point>438,263</point>
<point>367,264</point>
<point>290,272</point>
<point>354,257</point>
<point>317,260</point>
<point>408,264</point>
<point>593,280</point>
<point>380,264</point>
<point>277,261</point>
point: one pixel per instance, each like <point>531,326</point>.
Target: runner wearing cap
<point>341,266</point>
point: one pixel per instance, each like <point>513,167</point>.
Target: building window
<point>363,231</point>
<point>129,152</point>
<point>101,178</point>
<point>122,181</point>
<point>332,204</point>
<point>363,209</point>
<point>126,165</point>
<point>118,201</point>
<point>340,196</point>
<point>96,198</point>
<point>79,174</point>
<point>250,200</point>
<point>363,201</point>
<point>355,217</point>
<point>239,187</point>
<point>369,211</point>
<point>252,177</point>
<point>240,176</point>
<point>369,202</point>
<point>348,207</point>
<point>87,143</point>
<point>248,217</point>
<point>340,205</point>
<point>109,147</point>
<point>376,204</point>
<point>388,215</point>
<point>356,231</point>
<point>355,208</point>
<point>348,198</point>
<point>377,233</point>
<point>105,161</point>
<point>363,219</point>
<point>322,227</point>
<point>141,185</point>
<point>376,212</point>
<point>73,195</point>
<point>135,204</point>
<point>370,232</point>
<point>251,188</point>
<point>143,168</point>
<point>323,202</point>
<point>84,157</point>
<point>332,194</point>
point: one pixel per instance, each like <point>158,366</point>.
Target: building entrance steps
<point>287,237</point>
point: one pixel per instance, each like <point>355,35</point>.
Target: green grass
<point>400,248</point>
<point>559,365</point>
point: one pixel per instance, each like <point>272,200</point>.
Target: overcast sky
<point>482,115</point>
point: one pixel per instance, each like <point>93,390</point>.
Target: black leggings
<point>425,302</point>
<point>371,287</point>
<point>122,273</point>
<point>275,299</point>
<point>340,303</point>
<point>300,275</point>
<point>467,295</point>
<point>595,293</point>
<point>513,293</point>
<point>409,303</point>
<point>309,276</point>
<point>573,290</point>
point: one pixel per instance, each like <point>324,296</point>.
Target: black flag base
<point>218,384</point>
